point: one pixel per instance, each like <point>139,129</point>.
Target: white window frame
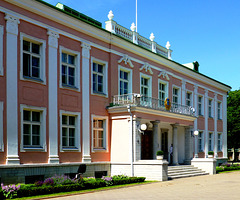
<point>210,108</point>
<point>166,86</point>
<point>1,49</point>
<point>105,142</point>
<point>1,127</point>
<point>191,97</point>
<point>77,68</point>
<point>77,116</point>
<point>219,110</point>
<point>179,93</point>
<point>129,71</point>
<point>202,141</point>
<point>150,83</point>
<point>202,107</point>
<point>105,76</point>
<point>219,141</point>
<point>42,130</point>
<point>210,141</point>
<point>42,44</point>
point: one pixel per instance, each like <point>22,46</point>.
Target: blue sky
<point>207,31</point>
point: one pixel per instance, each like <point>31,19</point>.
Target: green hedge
<point>227,167</point>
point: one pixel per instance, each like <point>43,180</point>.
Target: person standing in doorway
<point>171,154</point>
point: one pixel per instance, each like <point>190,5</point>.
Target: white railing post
<point>154,44</point>
<point>110,24</point>
<point>134,34</point>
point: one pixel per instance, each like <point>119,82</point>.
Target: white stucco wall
<point>120,141</point>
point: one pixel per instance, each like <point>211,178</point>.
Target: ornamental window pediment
<point>127,60</point>
<point>146,67</point>
<point>164,74</point>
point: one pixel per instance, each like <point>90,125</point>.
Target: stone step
<point>182,171</point>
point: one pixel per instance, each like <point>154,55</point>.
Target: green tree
<point>233,119</point>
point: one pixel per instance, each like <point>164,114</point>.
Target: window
<point>189,99</point>
<point>70,69</point>
<point>145,88</point>
<point>1,49</point>
<point>175,97</point>
<point>162,92</point>
<point>219,142</point>
<point>200,111</point>
<point>32,58</point>
<point>125,80</point>
<point>219,110</point>
<point>210,108</point>
<point>1,126</point>
<point>210,142</point>
<point>99,133</point>
<point>99,77</point>
<point>200,141</point>
<point>33,122</point>
<point>70,131</point>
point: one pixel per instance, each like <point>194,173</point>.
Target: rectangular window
<point>68,69</point>
<point>200,141</point>
<point>1,126</point>
<point>210,108</point>
<point>189,99</point>
<point>70,131</point>
<point>123,82</point>
<point>32,58</point>
<point>219,115</point>
<point>219,142</point>
<point>200,105</point>
<point>175,97</point>
<point>99,77</point>
<point>1,49</point>
<point>210,142</point>
<point>144,86</point>
<point>99,134</point>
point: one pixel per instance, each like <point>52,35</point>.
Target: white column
<point>86,157</point>
<point>196,120</point>
<point>12,88</point>
<point>188,144</point>
<point>224,118</point>
<point>183,92</point>
<point>136,124</point>
<point>215,126</point>
<point>205,103</point>
<point>175,144</point>
<point>156,139</point>
<point>53,96</point>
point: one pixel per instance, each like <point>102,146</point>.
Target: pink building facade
<point>73,92</point>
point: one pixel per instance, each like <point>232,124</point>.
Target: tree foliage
<point>233,119</point>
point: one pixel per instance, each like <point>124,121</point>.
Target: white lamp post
<point>196,135</point>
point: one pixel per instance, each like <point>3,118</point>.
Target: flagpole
<point>136,15</point>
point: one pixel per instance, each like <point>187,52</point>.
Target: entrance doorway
<point>147,145</point>
<point>165,143</point>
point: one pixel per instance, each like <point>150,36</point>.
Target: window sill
<point>69,87</point>
<point>28,78</point>
<point>65,149</point>
<point>33,149</point>
<point>100,150</point>
<point>99,94</point>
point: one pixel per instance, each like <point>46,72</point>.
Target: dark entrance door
<point>147,145</point>
<point>165,144</point>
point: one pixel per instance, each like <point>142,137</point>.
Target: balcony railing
<point>149,102</point>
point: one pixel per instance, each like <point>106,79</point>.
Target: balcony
<point>138,100</point>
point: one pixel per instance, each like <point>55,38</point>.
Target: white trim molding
<point>1,49</point>
<point>76,55</point>
<point>43,113</point>
<point>42,43</point>
<point>77,116</point>
<point>105,133</point>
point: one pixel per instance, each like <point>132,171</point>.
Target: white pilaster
<point>215,127</point>
<point>224,136</point>
<point>206,122</point>
<point>183,92</point>
<point>188,144</point>
<point>196,120</point>
<point>175,144</point>
<point>1,49</point>
<point>53,96</point>
<point>12,95</point>
<point>156,139</point>
<point>86,157</point>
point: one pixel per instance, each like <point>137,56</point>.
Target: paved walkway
<point>217,187</point>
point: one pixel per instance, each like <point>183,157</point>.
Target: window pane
<point>94,67</point>
<point>121,74</point>
<point>26,45</point>
<point>64,119</point>
<point>35,61</point>
<point>71,142</point>
<point>100,69</point>
<point>71,120</point>
<point>26,64</point>
<point>64,141</point>
<point>71,81</point>
<point>35,116</point>
<point>71,71</point>
<point>64,57</point>
<point>64,132</point>
<point>26,129</point>
<point>26,115</point>
<point>36,140</point>
<point>71,59</point>
<point>71,132</point>
<point>26,140</point>
<point>35,129</point>
<point>35,72</point>
<point>35,48</point>
<point>100,123</point>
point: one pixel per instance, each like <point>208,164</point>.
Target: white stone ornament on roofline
<point>146,67</point>
<point>110,15</point>
<point>126,60</point>
<point>164,75</point>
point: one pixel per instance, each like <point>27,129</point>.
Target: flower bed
<point>227,167</point>
<point>58,184</point>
